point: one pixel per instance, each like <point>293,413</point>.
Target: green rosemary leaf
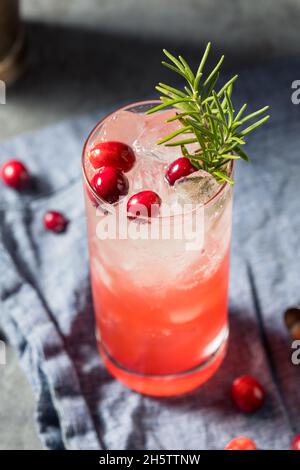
<point>218,164</point>
<point>175,61</point>
<point>182,130</point>
<point>210,86</point>
<point>174,69</point>
<point>240,113</point>
<point>171,89</point>
<point>187,68</point>
<point>229,89</point>
<point>221,112</point>
<point>203,60</point>
<point>253,126</point>
<point>182,115</point>
<point>229,109</point>
<point>230,156</point>
<point>215,70</point>
<point>198,156</point>
<point>224,104</point>
<point>181,142</point>
<point>252,115</point>
<point>209,99</point>
<point>238,140</point>
<point>204,131</point>
<point>213,117</point>
<point>184,151</point>
<point>213,124</point>
<point>188,91</point>
<point>235,125</point>
<point>166,104</point>
<point>242,154</point>
<point>230,82</point>
<point>169,94</point>
<point>223,177</point>
<point>229,148</point>
<point>197,81</point>
<point>202,143</point>
<point>195,163</point>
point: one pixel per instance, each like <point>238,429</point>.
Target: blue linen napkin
<point>46,308</point>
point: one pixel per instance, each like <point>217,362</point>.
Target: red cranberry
<point>15,174</point>
<point>178,169</point>
<point>109,184</point>
<point>55,221</point>
<point>115,154</point>
<point>296,443</point>
<point>144,204</point>
<point>247,393</point>
<point>241,443</point>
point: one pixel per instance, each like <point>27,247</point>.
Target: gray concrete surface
<point>17,430</point>
<point>84,54</point>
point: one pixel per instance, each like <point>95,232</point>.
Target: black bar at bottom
<point>136,459</point>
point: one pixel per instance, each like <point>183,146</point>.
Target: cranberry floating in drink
<point>114,154</point>
<point>109,184</point>
<point>144,204</point>
<point>178,169</point>
<point>160,288</point>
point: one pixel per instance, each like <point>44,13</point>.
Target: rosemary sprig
<point>207,117</point>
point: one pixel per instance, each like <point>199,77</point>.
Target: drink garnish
<point>207,116</point>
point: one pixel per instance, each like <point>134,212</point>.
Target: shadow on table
<point>247,354</point>
<point>2,336</point>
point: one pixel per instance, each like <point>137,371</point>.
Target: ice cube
<point>123,126</point>
<point>197,188</point>
<point>148,173</point>
<point>155,129</point>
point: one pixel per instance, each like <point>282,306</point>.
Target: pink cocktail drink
<point>160,302</point>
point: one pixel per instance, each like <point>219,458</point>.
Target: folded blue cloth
<point>46,308</point>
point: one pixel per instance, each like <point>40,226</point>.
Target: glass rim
<point>110,207</point>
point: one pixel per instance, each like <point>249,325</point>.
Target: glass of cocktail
<point>159,229</point>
